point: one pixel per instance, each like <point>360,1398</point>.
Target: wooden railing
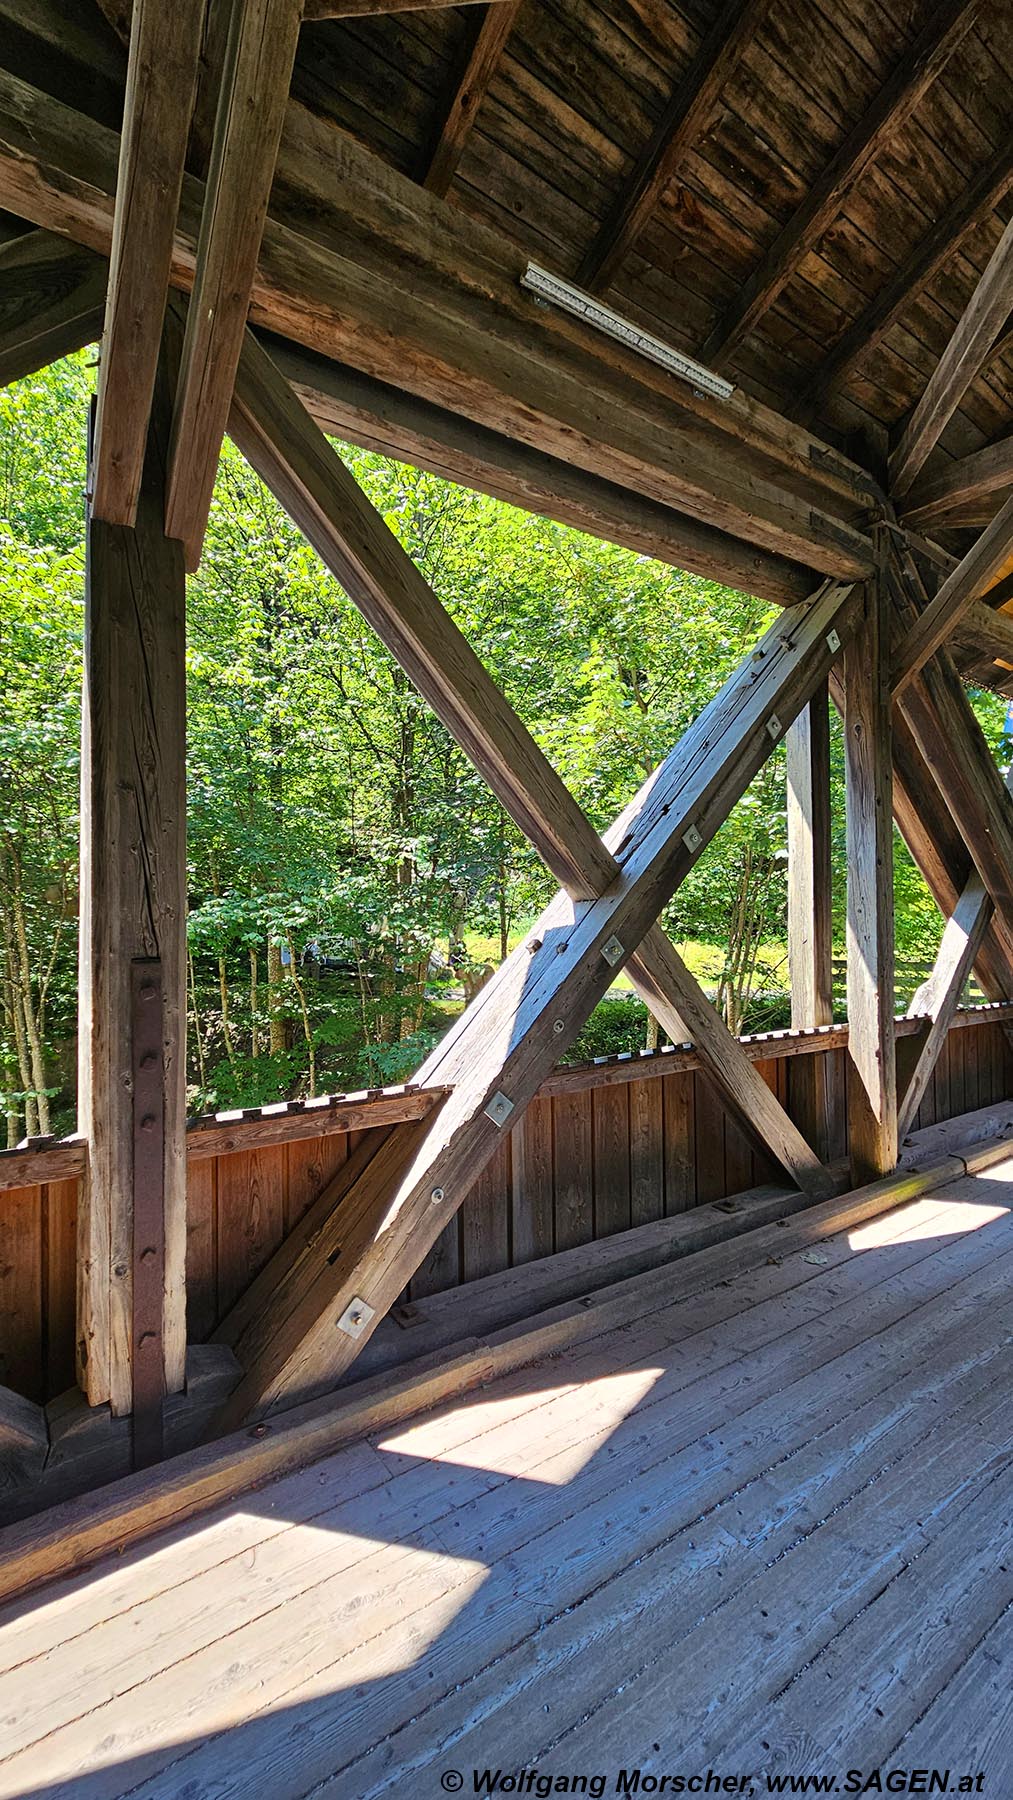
<point>606,1145</point>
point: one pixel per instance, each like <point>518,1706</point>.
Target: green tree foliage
<point>350,876</point>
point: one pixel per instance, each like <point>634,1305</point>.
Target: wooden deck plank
<point>879,1674</point>
<point>515,1594</point>
<point>572,1436</point>
<point>739,1554</point>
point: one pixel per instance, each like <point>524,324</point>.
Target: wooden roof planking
<point>737,118</point>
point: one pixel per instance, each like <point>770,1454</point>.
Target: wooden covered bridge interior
<point>647,1413</point>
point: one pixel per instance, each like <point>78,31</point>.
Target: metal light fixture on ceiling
<point>573,300</point>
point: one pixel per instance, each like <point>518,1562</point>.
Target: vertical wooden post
<point>810,909</point>
<point>133,906</point>
<point>872,1069</point>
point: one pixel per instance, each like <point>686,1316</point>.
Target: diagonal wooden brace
<point>498,1053</point>
<point>290,452</point>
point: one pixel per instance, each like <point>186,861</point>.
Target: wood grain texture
<point>52,298</point>
<point>946,26</point>
<point>77,1532</point>
<point>133,903</point>
<point>251,111</point>
<point>981,476</point>
<point>307,290</point>
<point>677,133</point>
<point>978,327</point>
<point>966,583</point>
<point>467,95</point>
<point>872,1097</point>
<point>930,255</point>
<point>161,82</point>
<point>359,9</point>
<point>507,1040</point>
<point>939,995</point>
<point>291,454</point>
<point>376,416</point>
<point>810,903</point>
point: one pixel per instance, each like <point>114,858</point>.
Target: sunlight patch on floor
<point>239,1680</point>
<point>924,1220</point>
<point>607,1398</point>
<point>1001,1172</point>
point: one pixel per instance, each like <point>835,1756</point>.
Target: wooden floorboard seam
<point>804,1274</point>
<point>817,1275</point>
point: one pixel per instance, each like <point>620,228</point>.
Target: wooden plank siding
<point>606,1146</point>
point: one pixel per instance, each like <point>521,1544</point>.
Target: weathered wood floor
<point>765,1529</point>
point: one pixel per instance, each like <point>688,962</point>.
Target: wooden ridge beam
<point>947,24</point>
<point>52,302</point>
<point>977,477</point>
<point>967,582</point>
<point>977,329</point>
<point>496,1055</point>
<point>677,132</point>
<point>251,112</point>
<point>464,335</point>
<point>278,437</point>
<point>468,94</point>
<point>941,242</point>
<point>162,65</point>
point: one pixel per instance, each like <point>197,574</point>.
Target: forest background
<point>351,879</point>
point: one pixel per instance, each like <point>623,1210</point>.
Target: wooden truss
<point>301,320</point>
<point>613,890</point>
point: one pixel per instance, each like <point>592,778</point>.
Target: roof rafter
<point>161,83</point>
<point>251,112</point>
<point>980,324</point>
<point>934,250</point>
<point>680,127</point>
<point>356,9</point>
<point>947,23</point>
<point>54,302</point>
<point>970,479</point>
<point>468,94</point>
<point>553,384</point>
<point>968,581</point>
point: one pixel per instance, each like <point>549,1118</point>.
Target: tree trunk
<point>276,1000</point>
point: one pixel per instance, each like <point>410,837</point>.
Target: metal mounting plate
<point>499,1108</point>
<point>356,1316</point>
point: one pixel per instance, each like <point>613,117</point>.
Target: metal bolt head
<point>833,642</point>
<point>499,1108</point>
<point>558,1026</point>
<point>356,1317</point>
<point>436,1196</point>
<point>613,952</point>
<point>692,839</point>
<point>774,727</point>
